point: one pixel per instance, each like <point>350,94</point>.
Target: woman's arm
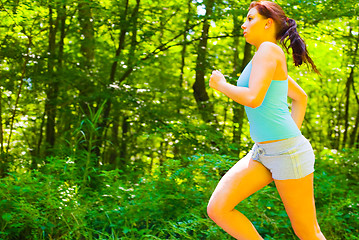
<point>299,103</point>
<point>241,95</point>
<point>263,68</point>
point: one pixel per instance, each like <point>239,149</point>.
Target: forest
<point>109,129</point>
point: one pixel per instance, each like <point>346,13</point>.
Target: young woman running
<point>280,153</point>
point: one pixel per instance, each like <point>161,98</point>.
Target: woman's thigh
<point>298,199</point>
<point>245,178</point>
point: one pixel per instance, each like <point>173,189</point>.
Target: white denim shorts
<point>291,158</point>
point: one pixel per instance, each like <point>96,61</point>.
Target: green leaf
<point>6,217</point>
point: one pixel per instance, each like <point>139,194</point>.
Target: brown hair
<point>286,30</point>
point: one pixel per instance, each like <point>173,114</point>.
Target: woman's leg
<point>243,179</point>
<point>298,199</point>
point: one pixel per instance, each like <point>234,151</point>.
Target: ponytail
<point>286,31</point>
<point>299,48</point>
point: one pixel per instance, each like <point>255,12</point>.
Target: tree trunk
<point>39,141</point>
<point>115,142</point>
<point>349,83</point>
<point>123,149</point>
<point>1,129</point>
<point>52,88</point>
<point>121,44</point>
<point>134,20</point>
<point>355,131</point>
<point>85,85</point>
<point>199,87</point>
<point>2,155</point>
<point>337,132</point>
<point>356,125</point>
<point>126,25</point>
<point>62,19</point>
<point>87,31</point>
<point>87,50</point>
<point>183,57</point>
<point>162,157</point>
<point>347,102</point>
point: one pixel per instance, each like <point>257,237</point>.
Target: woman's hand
<point>217,80</point>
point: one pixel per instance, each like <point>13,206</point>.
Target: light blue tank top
<point>272,119</point>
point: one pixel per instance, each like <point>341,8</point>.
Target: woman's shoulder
<point>269,50</point>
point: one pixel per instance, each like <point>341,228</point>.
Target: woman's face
<point>254,26</point>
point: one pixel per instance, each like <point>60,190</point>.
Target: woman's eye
<point>250,18</point>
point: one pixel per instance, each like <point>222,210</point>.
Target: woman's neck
<point>273,40</point>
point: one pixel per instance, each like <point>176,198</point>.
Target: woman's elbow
<point>255,102</point>
<point>299,96</point>
<point>304,97</point>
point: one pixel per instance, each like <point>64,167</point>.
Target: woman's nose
<point>243,27</point>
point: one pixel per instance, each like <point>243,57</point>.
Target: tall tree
<point>128,26</point>
<point>183,55</point>
<point>87,49</point>
<point>54,64</point>
<point>349,83</point>
<point>199,87</point>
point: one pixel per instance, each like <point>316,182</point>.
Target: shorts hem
<point>291,177</point>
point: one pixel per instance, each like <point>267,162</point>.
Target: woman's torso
<point>271,121</point>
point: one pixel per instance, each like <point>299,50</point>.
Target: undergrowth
<point>168,203</point>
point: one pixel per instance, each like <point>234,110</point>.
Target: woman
<point>280,153</point>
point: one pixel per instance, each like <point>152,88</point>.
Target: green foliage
<point>169,203</point>
<point>141,76</point>
<point>337,194</point>
<point>111,83</point>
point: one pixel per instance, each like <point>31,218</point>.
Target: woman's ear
<point>269,23</point>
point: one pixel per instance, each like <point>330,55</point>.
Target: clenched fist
<point>216,80</point>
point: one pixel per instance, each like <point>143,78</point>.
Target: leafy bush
<point>169,203</point>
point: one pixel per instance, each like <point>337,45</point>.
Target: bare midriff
<point>271,141</point>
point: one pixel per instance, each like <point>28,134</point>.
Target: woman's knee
<point>215,211</point>
<point>308,232</point>
<point>212,211</point>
